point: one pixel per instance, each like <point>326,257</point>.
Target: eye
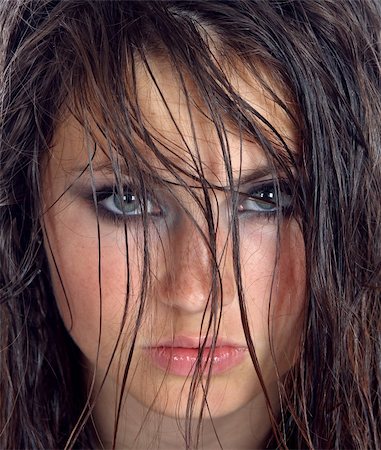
<point>126,203</point>
<point>266,199</point>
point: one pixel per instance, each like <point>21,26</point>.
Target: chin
<point>177,397</point>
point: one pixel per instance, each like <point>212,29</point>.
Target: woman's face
<point>96,256</point>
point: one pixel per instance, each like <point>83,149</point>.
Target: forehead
<point>175,115</point>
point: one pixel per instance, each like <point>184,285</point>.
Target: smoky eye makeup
<point>115,202</point>
<point>267,199</point>
<point>125,204</point>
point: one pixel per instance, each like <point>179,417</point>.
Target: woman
<point>190,224</point>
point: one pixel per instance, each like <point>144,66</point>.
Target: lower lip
<point>182,361</point>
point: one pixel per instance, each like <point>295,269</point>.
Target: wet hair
<point>81,57</point>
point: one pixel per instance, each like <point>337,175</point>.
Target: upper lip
<point>195,342</point>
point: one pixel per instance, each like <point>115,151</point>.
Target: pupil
<point>268,196</point>
<point>125,202</point>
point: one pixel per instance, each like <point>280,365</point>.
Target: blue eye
<point>125,203</point>
<point>266,199</point>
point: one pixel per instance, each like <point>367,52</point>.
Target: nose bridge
<point>187,281</point>
<point>195,261</point>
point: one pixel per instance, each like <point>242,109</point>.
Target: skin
<point>181,276</point>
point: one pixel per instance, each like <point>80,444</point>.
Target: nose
<point>189,269</point>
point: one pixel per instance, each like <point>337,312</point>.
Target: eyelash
<point>255,195</point>
<point>105,212</point>
<point>281,206</point>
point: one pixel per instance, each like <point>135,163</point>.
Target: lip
<point>180,355</point>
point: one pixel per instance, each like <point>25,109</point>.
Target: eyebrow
<point>245,176</point>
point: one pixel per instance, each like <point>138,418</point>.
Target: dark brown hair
<point>61,56</point>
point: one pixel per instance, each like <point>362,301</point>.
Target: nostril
<point>194,282</point>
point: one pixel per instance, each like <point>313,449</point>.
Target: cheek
<point>91,297</point>
<point>273,270</point>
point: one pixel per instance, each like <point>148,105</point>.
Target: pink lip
<point>179,356</point>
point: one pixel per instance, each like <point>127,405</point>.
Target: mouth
<point>182,356</point>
